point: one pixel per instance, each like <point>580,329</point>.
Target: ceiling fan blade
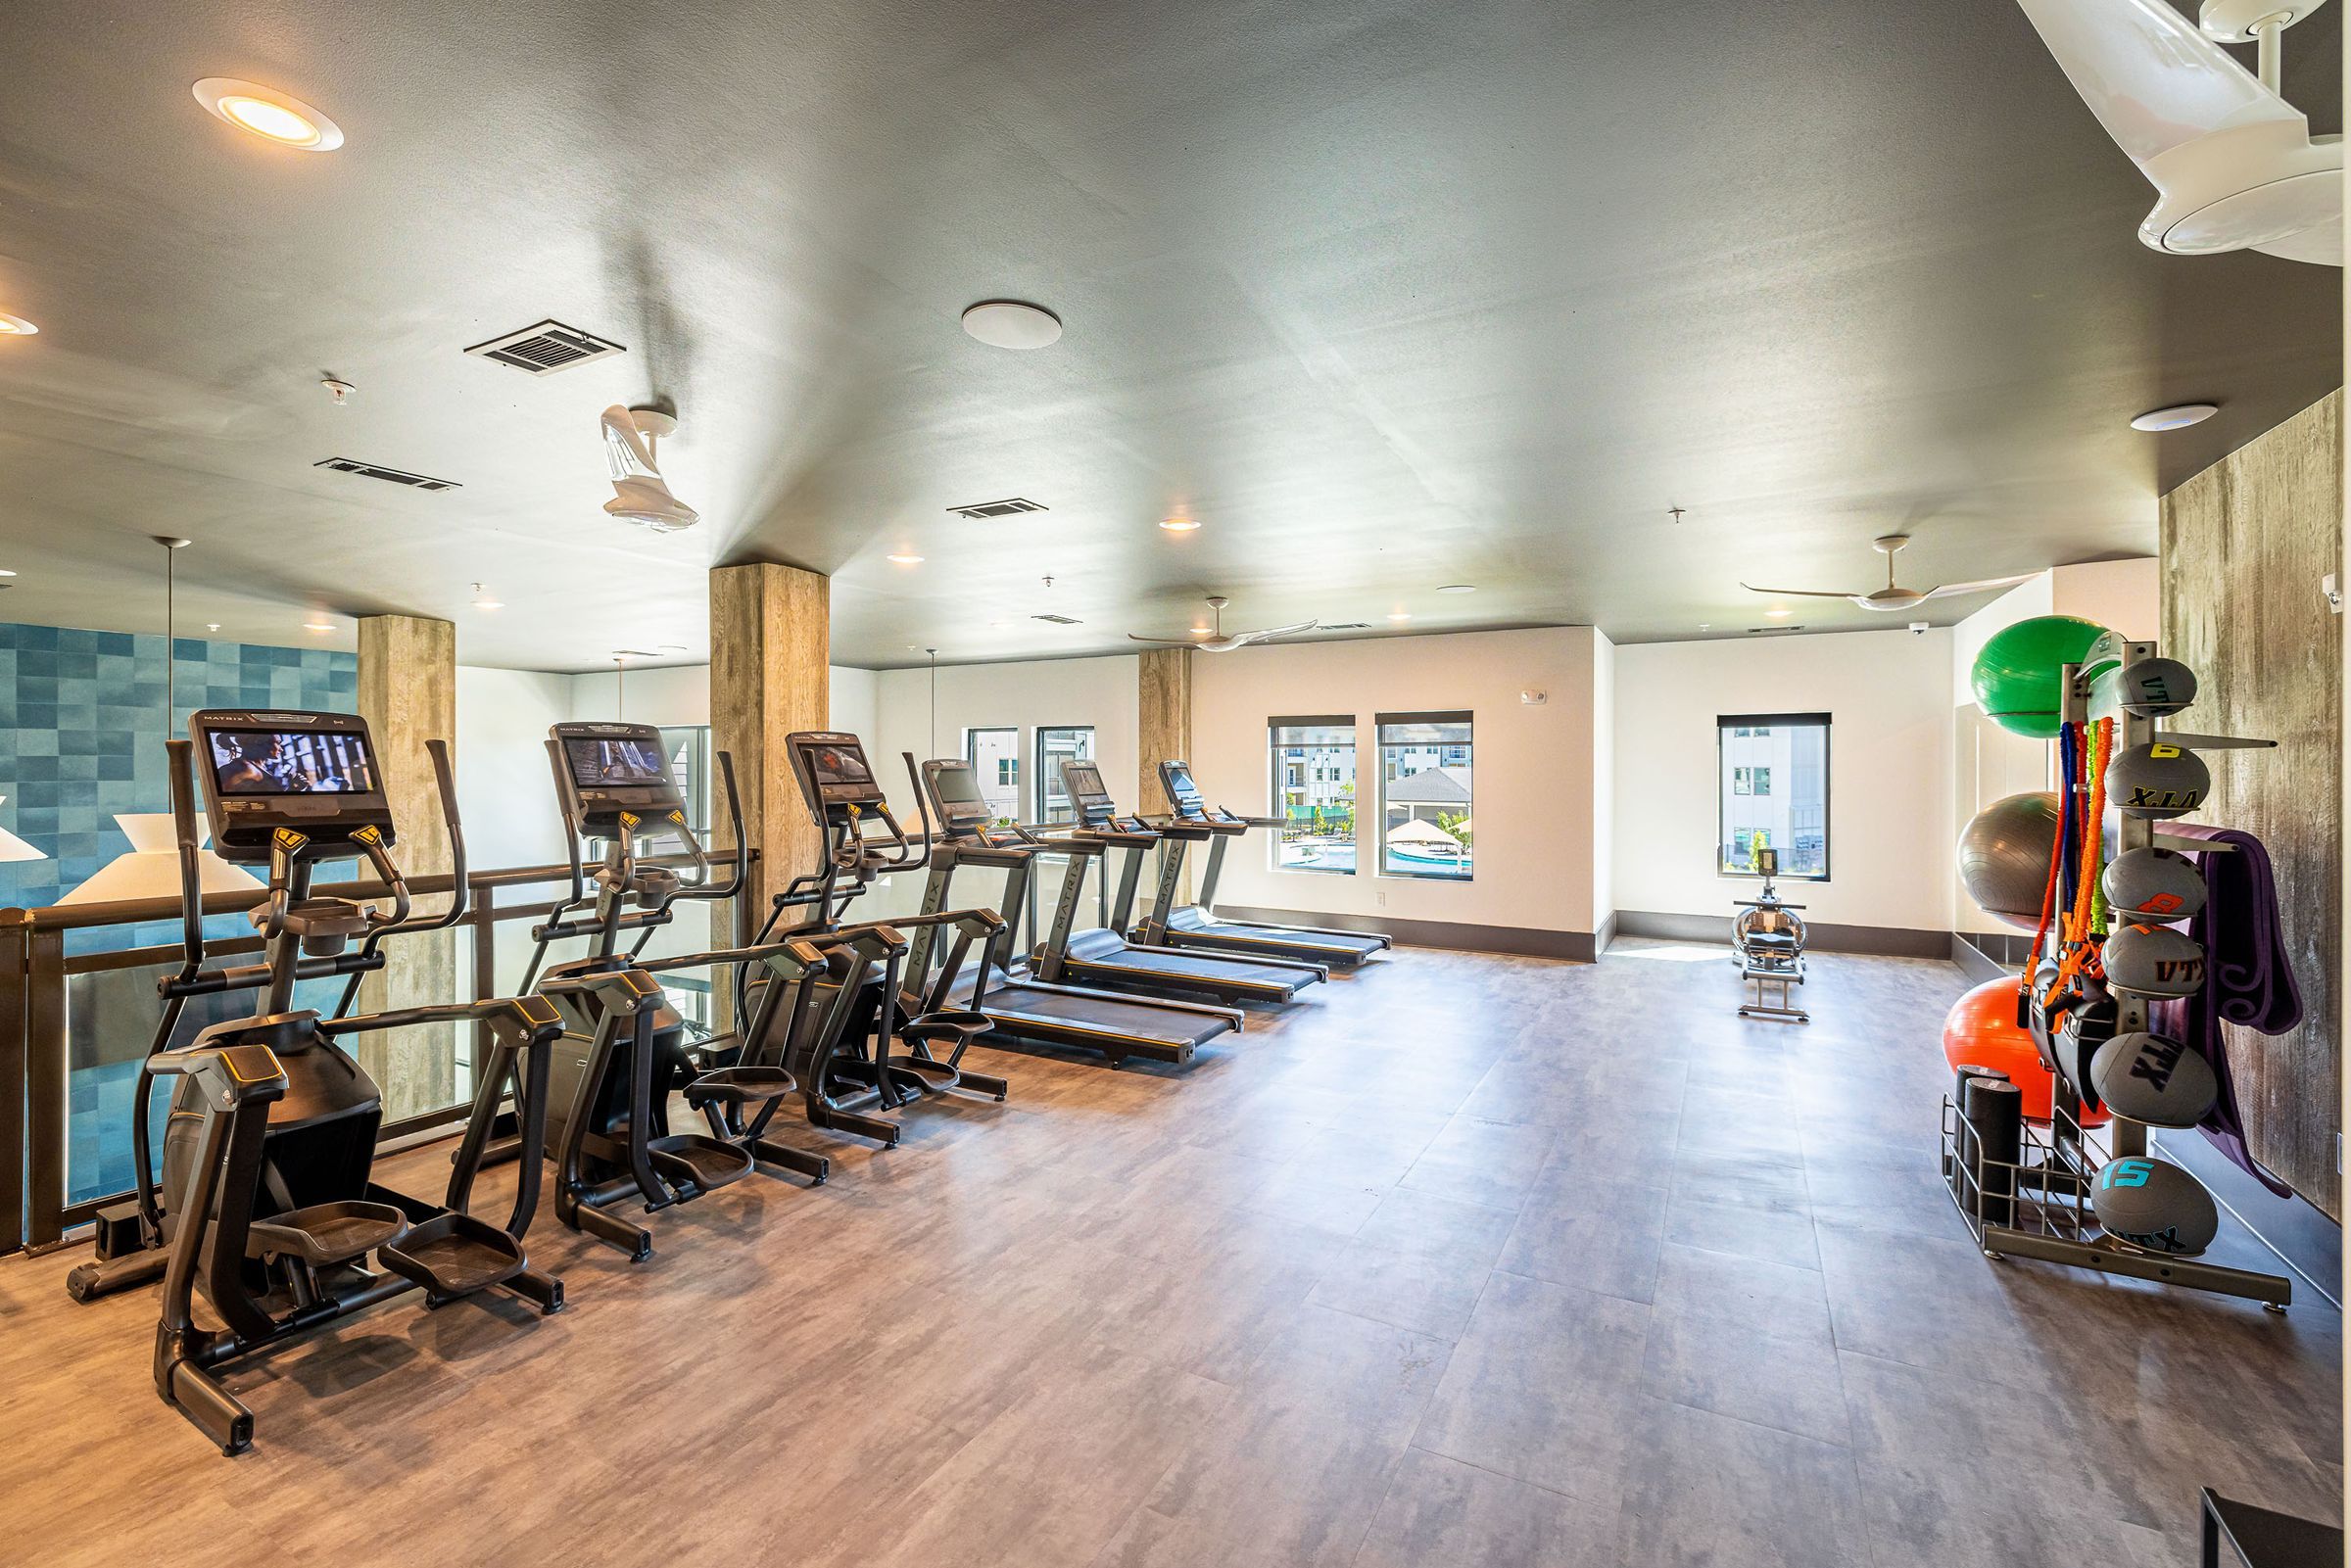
<point>1800,592</point>
<point>1242,638</point>
<point>2320,246</point>
<point>2150,74</point>
<point>1982,584</point>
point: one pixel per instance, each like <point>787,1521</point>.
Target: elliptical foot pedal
<point>687,1158</point>
<point>454,1255</point>
<point>326,1234</point>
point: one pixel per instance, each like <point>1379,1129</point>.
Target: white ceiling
<point>1387,295</point>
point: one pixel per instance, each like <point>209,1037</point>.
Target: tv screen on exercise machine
<point>291,762</point>
<point>604,763</point>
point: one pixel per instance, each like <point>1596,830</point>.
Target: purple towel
<point>2246,979</point>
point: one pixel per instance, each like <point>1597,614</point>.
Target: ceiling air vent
<point>1754,631</point>
<point>544,349</point>
<point>351,465</point>
<point>979,511</point>
<point>1057,620</point>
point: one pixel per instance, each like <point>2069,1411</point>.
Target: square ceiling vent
<point>394,476</point>
<point>544,349</point>
<point>1012,506</point>
<point>1057,620</point>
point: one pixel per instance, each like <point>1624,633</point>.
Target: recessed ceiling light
<point>211,626</point>
<point>1012,324</point>
<point>16,327</point>
<point>1180,525</point>
<point>905,560</point>
<point>485,601</point>
<point>269,114</point>
<point>1401,615</point>
<point>2179,416</point>
<point>317,626</point>
<point>1459,588</point>
<point>1777,614</point>
<point>6,573</point>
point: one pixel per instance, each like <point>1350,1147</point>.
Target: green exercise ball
<point>2016,678</point>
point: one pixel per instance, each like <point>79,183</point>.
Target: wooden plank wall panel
<point>2245,544</point>
<point>1163,731</point>
<point>407,693</point>
<point>771,630</point>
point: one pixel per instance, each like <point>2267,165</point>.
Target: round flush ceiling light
<point>319,625</point>
<point>1012,324</point>
<point>1401,615</point>
<point>1459,588</point>
<point>2179,416</point>
<point>269,114</point>
<point>16,327</point>
<point>1180,525</point>
<point>905,560</point>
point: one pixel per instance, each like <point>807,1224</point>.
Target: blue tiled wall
<point>81,733</point>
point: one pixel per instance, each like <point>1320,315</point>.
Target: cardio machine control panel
<point>314,775</point>
<point>834,774</point>
<point>1186,799</point>
<point>1090,798</point>
<point>964,814</point>
<point>614,777</point>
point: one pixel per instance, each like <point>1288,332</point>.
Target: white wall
<point>1888,695</point>
<point>1534,795</point>
<point>504,788</point>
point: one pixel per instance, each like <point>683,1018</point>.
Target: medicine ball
<point>2155,1205</point>
<point>2155,887</point>
<point>2004,856</point>
<point>2158,780</point>
<point>2019,677</point>
<point>2149,1079</point>
<point>2154,960</point>
<point>2156,688</point>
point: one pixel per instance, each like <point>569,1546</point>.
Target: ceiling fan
<point>2233,164</point>
<point>1890,597</point>
<point>1217,641</point>
<point>640,495</point>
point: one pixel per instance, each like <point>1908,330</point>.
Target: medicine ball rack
<point>2033,1200</point>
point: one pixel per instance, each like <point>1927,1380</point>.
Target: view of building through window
<point>1774,789</point>
<point>1055,745</point>
<point>1425,821</point>
<point>1313,792</point>
<point>995,756</point>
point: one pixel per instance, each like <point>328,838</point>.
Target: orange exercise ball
<point>1981,1031</point>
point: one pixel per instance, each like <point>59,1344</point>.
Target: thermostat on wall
<point>1534,698</point>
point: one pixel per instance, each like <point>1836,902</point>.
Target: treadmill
<point>1196,924</point>
<point>1021,1005</point>
<point>1103,957</point>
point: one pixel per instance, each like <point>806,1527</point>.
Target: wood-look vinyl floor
<point>1464,1260</point>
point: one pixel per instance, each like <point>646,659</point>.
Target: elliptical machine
<point>1767,937</point>
<point>265,1204</point>
<point>624,1050</point>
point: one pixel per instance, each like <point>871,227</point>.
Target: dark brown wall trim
<point>1575,947</point>
<point>1884,941</point>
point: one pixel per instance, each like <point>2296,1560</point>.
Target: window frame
<point>1020,761</point>
<point>1050,779</point>
<point>1468,719</point>
<point>1746,724</point>
<point>1275,804</point>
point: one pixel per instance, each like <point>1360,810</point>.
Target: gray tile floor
<point>1466,1260</point>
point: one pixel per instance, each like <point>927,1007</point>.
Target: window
<point>1313,792</point>
<point>1055,745</point>
<point>1424,827</point>
<point>689,751</point>
<point>995,756</point>
<point>1773,784</point>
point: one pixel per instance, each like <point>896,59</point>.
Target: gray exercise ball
<point>2004,856</point>
<point>2154,960</point>
<point>2153,1079</point>
<point>2156,886</point>
<point>2156,688</point>
<point>2157,781</point>
<point>2155,1205</point>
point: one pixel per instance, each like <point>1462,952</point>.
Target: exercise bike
<point>265,1204</point>
<point>1767,937</point>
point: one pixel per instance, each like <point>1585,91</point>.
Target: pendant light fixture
<point>150,868</point>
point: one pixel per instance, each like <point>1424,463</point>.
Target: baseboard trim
<point>2311,1244</point>
<point>1578,947</point>
<point>1606,935</point>
<point>1881,941</point>
<point>1979,964</point>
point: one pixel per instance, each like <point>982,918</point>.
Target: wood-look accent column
<point>407,693</point>
<point>1163,730</point>
<point>2245,546</point>
<point>771,636</point>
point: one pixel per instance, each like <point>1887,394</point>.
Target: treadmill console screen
<point>1182,794</point>
<point>1082,780</point>
<point>311,772</point>
<point>603,770</point>
<point>955,787</point>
